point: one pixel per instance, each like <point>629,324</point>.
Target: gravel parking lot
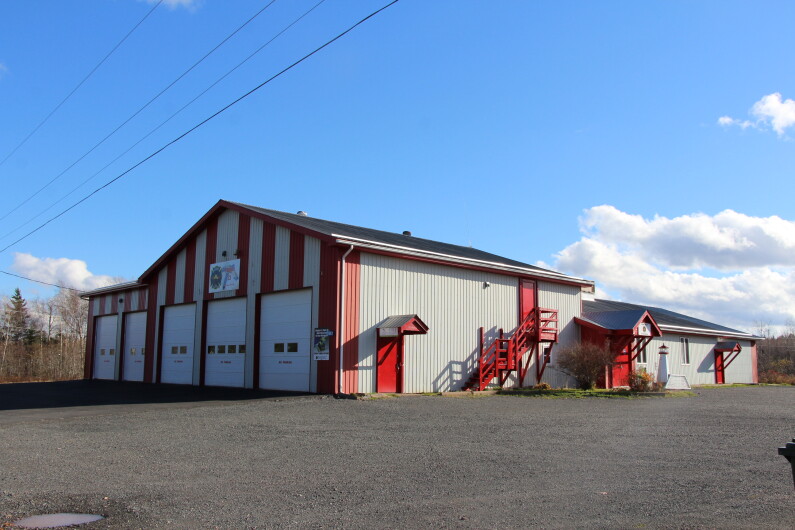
<point>159,457</point>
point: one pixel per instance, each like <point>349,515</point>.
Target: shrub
<point>585,362</point>
<point>641,380</point>
<point>776,378</point>
<point>542,386</point>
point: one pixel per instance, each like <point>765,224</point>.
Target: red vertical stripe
<point>209,256</point>
<point>268,257</point>
<point>296,271</point>
<point>243,237</point>
<point>328,308</point>
<point>351,361</point>
<point>190,270</point>
<point>89,364</point>
<point>754,367</point>
<point>171,281</point>
<point>141,299</point>
<point>151,317</point>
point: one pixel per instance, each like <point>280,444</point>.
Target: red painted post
<point>480,360</point>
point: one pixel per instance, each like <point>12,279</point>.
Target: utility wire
<point>69,95</point>
<point>241,63</point>
<point>137,112</point>
<point>39,281</point>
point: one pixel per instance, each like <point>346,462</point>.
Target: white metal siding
<point>453,302</point>
<point>134,344</point>
<point>567,299</point>
<point>281,268</point>
<point>254,282</point>
<point>226,242</point>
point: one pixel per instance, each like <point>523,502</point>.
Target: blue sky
<point>644,145</point>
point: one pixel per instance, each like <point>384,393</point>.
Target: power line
<point>39,281</point>
<point>147,135</point>
<point>69,95</point>
<point>137,112</point>
<point>189,131</point>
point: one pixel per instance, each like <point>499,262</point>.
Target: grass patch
<point>575,393</point>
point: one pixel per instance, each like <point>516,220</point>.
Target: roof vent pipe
<point>302,213</point>
<point>406,233</point>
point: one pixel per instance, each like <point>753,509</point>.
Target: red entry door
<point>621,369</point>
<point>528,298</point>
<point>719,368</point>
<point>389,373</point>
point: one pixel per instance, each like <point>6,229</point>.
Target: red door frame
<point>389,365</point>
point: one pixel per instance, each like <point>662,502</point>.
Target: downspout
<point>342,316</point>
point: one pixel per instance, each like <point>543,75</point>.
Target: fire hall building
<point>258,298</point>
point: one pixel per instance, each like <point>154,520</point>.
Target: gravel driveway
<point>206,459</point>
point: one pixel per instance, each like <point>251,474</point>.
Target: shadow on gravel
<point>16,396</point>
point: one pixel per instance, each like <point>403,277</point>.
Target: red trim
<point>255,346</point>
<point>121,353</point>
<point>243,238</point>
<point>171,282</point>
<point>88,367</point>
<point>351,333</point>
<point>151,317</point>
<point>328,316</point>
<point>114,304</point>
<point>296,268</point>
<point>162,312</point>
<point>209,254</point>
<point>203,344</point>
<point>268,257</point>
<point>190,271</point>
<point>754,367</point>
<point>127,306</point>
<point>143,300</point>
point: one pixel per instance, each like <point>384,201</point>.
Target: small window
<point>241,348</point>
<point>143,351</point>
<point>175,350</point>
<point>102,351</point>
<point>292,347</point>
<point>211,349</point>
<point>222,348</point>
<point>132,351</point>
<point>685,350</point>
<point>232,348</point>
<point>278,347</point>
<point>183,349</point>
<point>642,355</point>
<point>112,351</point>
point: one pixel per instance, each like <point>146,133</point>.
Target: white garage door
<point>226,342</point>
<point>178,325</point>
<point>285,329</point>
<point>105,348</point>
<point>134,346</point>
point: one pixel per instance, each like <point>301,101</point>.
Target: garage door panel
<point>285,328</point>
<point>226,343</point>
<point>105,347</point>
<point>178,327</point>
<point>134,351</point>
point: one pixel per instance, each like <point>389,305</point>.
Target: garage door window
<point>292,347</point>
<point>278,347</point>
<point>232,348</point>
<point>241,348</point>
<point>211,350</point>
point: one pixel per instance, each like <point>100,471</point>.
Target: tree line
<point>776,355</point>
<point>43,339</point>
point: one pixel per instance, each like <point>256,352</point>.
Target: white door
<point>178,326</point>
<point>105,348</point>
<point>226,342</point>
<point>285,329</point>
<point>134,346</point>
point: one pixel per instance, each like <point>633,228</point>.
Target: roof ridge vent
<point>302,213</point>
<point>406,233</point>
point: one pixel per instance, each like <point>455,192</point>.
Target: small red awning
<point>402,325</point>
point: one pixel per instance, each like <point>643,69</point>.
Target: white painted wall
<point>453,303</point>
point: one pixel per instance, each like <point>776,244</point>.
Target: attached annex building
<point>258,298</point>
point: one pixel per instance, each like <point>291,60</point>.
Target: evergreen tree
<point>17,319</point>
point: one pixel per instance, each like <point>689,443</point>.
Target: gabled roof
<point>666,319</point>
<point>615,320</point>
<point>369,238</point>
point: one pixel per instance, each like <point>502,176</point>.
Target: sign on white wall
<point>321,350</point>
<point>644,329</point>
<point>225,276</point>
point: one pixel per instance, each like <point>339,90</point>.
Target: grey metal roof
<point>727,345</point>
<point>663,317</point>
<point>615,320</point>
<point>331,228</point>
<point>396,321</point>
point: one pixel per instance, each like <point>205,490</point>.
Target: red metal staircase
<point>505,355</point>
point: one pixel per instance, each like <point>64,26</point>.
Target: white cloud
<point>671,263</point>
<point>769,112</point>
<point>72,273</point>
<point>174,4</point>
